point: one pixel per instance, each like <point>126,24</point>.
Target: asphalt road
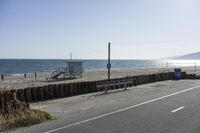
<point>162,107</point>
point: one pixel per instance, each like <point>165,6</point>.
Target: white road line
<point>178,109</point>
<point>120,110</point>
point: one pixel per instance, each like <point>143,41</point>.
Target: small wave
<point>15,75</point>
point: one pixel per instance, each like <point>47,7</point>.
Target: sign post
<point>109,65</point>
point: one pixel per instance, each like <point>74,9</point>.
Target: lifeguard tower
<point>74,69</point>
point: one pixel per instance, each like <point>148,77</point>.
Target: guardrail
<point>116,84</point>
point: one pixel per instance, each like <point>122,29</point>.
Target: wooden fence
<point>55,91</point>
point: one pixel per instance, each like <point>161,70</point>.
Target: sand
<point>19,82</point>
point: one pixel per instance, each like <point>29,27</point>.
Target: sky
<point>136,29</point>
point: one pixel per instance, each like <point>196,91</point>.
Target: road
<point>162,107</point>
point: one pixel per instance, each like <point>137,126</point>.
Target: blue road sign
<point>108,66</point>
<point>177,73</point>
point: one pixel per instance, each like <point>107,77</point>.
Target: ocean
<point>21,66</point>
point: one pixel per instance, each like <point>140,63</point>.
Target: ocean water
<point>21,66</point>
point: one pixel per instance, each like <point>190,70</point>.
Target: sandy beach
<point>19,82</point>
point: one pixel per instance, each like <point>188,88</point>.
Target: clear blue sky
<point>54,28</point>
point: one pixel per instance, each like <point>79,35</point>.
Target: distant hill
<point>192,56</point>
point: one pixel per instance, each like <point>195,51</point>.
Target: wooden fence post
<point>2,102</point>
<point>33,94</point>
<point>20,95</point>
<point>28,95</point>
<point>51,92</point>
<point>66,90</point>
<point>55,91</point>
<point>40,94</point>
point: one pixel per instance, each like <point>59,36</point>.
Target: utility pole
<point>70,56</point>
<point>70,67</point>
<point>195,66</point>
<point>109,65</point>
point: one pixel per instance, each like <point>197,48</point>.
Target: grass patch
<point>25,117</point>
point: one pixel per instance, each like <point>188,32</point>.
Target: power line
<point>150,42</point>
<point>92,52</point>
<point>153,42</point>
